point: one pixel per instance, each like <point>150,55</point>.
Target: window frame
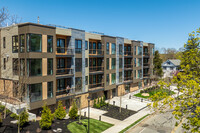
<point>28,44</point>
<point>15,40</point>
<point>51,47</point>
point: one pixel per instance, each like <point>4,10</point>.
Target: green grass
<point>125,129</point>
<point>96,126</point>
<point>153,92</point>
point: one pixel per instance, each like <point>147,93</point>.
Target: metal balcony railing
<point>96,68</point>
<point>65,91</point>
<point>96,52</point>
<point>92,86</point>
<point>145,54</point>
<point>64,51</point>
<point>127,78</point>
<point>128,66</point>
<point>62,71</point>
<point>128,53</point>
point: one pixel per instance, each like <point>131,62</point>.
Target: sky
<point>166,23</point>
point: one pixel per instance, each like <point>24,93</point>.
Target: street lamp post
<point>88,114</point>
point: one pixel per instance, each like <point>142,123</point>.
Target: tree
<point>60,112</point>
<point>0,120</point>
<point>157,61</point>
<point>46,118</point>
<point>185,106</point>
<point>73,113</point>
<point>23,118</point>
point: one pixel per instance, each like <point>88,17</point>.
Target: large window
<point>35,92</point>
<point>86,80</point>
<point>22,43</point>
<point>34,43</point>
<point>86,45</point>
<point>60,45</point>
<point>135,62</point>
<point>107,63</point>
<point>78,64</point>
<point>15,66</point>
<point>50,89</point>
<point>134,74</point>
<point>34,67</point>
<point>49,66</point>
<point>139,74</point>
<point>22,67</point>
<point>78,46</point>
<point>135,49</point>
<point>107,79</point>
<point>113,48</point>
<point>78,86</point>
<point>15,44</point>
<point>139,50</point>
<point>61,84</point>
<point>86,62</point>
<point>120,77</point>
<point>113,78</point>
<point>120,62</point>
<point>107,48</point>
<point>50,44</point>
<point>120,49</point>
<point>113,63</point>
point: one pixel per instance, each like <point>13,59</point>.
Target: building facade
<point>51,63</point>
<point>170,67</point>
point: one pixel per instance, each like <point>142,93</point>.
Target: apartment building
<point>52,63</point>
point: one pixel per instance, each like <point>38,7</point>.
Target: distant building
<point>170,67</point>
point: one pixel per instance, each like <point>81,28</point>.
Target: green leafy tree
<point>46,118</point>
<point>157,61</point>
<point>1,120</point>
<point>94,105</point>
<point>101,102</point>
<point>60,112</point>
<point>23,118</point>
<point>73,113</point>
<point>186,105</point>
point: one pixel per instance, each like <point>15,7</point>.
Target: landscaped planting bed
<point>113,112</point>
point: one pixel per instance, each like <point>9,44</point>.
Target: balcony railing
<point>92,86</point>
<point>145,54</point>
<point>96,52</point>
<point>67,91</point>
<point>145,64</point>
<point>62,71</point>
<point>78,50</point>
<point>128,53</point>
<point>128,66</point>
<point>96,68</point>
<point>127,78</point>
<point>64,51</point>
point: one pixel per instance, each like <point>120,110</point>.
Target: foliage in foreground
<point>100,102</point>
<point>23,118</point>
<point>96,126</point>
<point>0,120</point>
<point>157,61</point>
<point>46,118</point>
<point>73,113</point>
<point>187,104</point>
<point>60,112</point>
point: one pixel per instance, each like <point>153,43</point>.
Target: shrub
<point>2,107</point>
<point>98,106</point>
<point>23,118</point>
<point>14,116</point>
<point>60,112</point>
<point>46,118</point>
<point>104,100</point>
<point>98,102</point>
<point>101,102</point>
<point>73,113</point>
<point>1,120</point>
<point>94,105</point>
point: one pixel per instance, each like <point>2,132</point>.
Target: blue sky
<point>163,22</point>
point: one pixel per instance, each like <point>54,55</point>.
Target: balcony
<point>145,65</point>
<point>96,52</point>
<point>65,92</point>
<point>128,66</point>
<point>64,51</point>
<point>128,79</point>
<point>128,53</point>
<point>64,71</point>
<point>96,86</point>
<point>146,54</point>
<point>96,68</point>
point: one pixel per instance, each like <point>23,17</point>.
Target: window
<point>78,64</point>
<point>120,49</point>
<point>107,79</point>
<point>134,74</point>
<point>86,45</point>
<point>107,63</point>
<point>120,77</point>
<point>4,63</point>
<point>120,62</point>
<point>86,62</point>
<point>15,44</point>
<point>4,42</point>
<point>50,44</point>
<point>60,45</point>
<point>61,84</point>
<point>139,74</point>
<point>15,66</point>
<point>35,92</point>
<point>34,67</point>
<point>22,67</point>
<point>153,51</point>
<point>78,46</point>
<point>113,78</point>
<point>49,66</point>
<point>50,89</point>
<point>22,43</point>
<point>139,64</point>
<point>78,84</point>
<point>135,50</point>
<point>139,50</point>
<point>135,62</point>
<point>113,63</point>
<point>107,48</point>
<point>34,43</point>
<point>86,80</point>
<point>113,48</point>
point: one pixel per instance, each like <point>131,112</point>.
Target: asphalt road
<point>158,123</point>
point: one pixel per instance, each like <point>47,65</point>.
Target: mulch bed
<point>113,112</point>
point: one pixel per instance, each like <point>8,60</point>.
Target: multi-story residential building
<point>51,63</point>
